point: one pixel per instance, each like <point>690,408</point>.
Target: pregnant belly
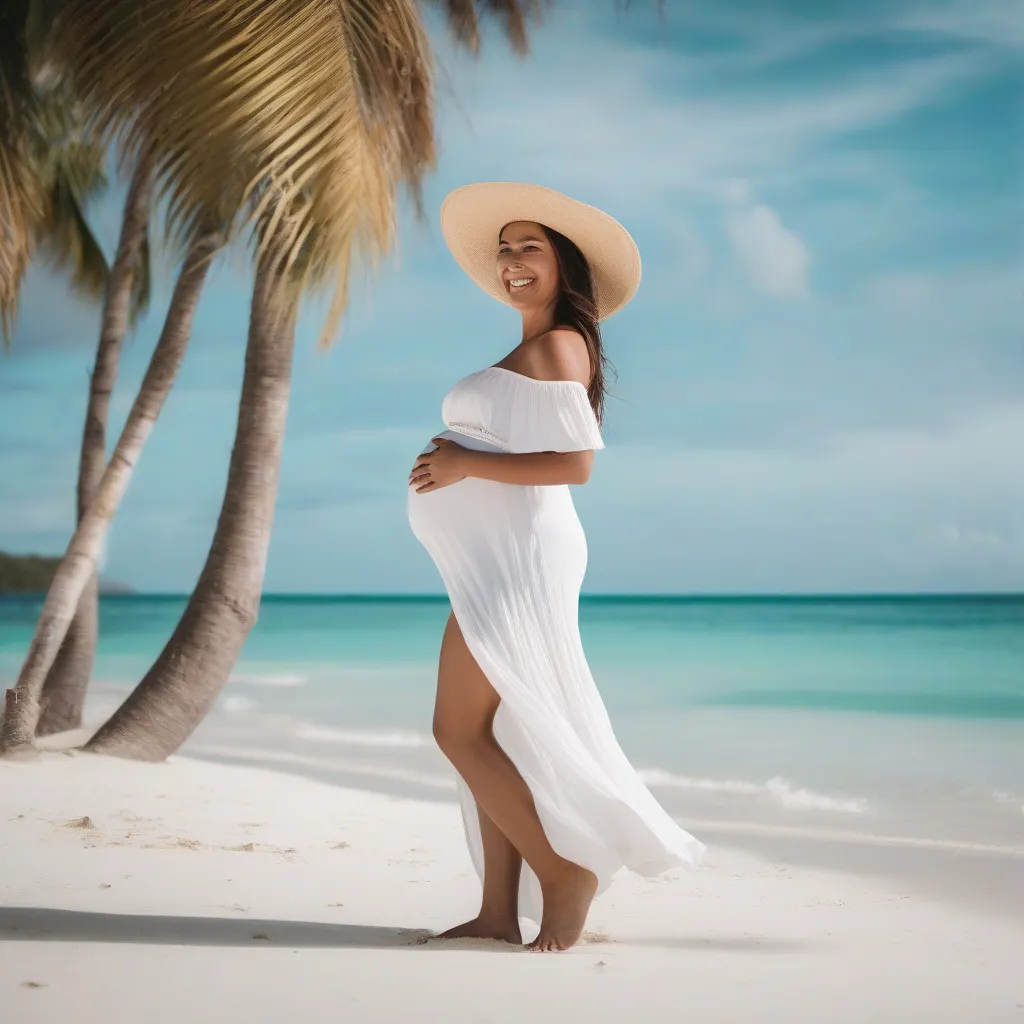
<point>479,522</point>
<point>434,514</point>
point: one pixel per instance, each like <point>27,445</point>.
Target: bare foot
<point>486,928</point>
<point>565,910</point>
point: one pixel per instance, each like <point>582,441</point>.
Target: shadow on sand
<point>46,924</point>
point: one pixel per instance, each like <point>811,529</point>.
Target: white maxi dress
<point>512,559</point>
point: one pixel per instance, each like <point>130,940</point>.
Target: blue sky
<point>821,379</point>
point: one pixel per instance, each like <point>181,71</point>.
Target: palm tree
<point>311,157</point>
<point>49,168</point>
<point>125,295</point>
<point>360,123</point>
<point>78,567</point>
<point>183,683</point>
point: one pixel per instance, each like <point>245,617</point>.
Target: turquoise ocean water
<point>899,716</point>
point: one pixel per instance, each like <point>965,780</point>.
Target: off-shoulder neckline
<point>535,380</point>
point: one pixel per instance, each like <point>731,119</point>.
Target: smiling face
<point>527,265</point>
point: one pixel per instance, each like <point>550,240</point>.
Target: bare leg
<point>463,716</point>
<point>499,906</point>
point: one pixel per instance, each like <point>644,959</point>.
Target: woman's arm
<point>450,462</point>
<point>536,468</point>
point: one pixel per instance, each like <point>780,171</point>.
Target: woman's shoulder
<point>558,354</point>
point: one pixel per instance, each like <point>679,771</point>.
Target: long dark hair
<point>577,308</point>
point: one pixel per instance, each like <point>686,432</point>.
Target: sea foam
<point>360,737</point>
<point>265,757</point>
<point>238,705</point>
<point>781,790</point>
<point>264,679</point>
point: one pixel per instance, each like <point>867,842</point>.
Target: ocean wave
<point>360,737</point>
<point>263,679</point>
<point>784,792</point>
<point>939,704</point>
<point>238,705</point>
<point>1002,797</point>
<point>302,761</point>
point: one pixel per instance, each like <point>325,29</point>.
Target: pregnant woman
<point>552,808</point>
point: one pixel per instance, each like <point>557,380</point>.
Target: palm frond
<point>464,16</point>
<point>300,118</point>
<point>71,168</point>
<point>49,167</point>
<point>19,207</point>
<point>20,196</point>
<point>68,243</point>
<point>297,119</point>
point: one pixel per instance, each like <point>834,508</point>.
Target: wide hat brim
<point>472,218</point>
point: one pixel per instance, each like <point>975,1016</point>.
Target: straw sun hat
<point>472,218</point>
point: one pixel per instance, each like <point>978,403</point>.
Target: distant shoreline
<point>29,575</point>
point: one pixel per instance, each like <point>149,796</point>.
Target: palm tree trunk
<point>179,689</point>
<point>79,563</point>
<point>68,678</point>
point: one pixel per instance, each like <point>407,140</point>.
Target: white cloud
<point>765,34</point>
<point>972,538</point>
<point>735,192</point>
<point>998,23</point>
<point>774,258</point>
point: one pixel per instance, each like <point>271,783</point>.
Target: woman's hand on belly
<point>446,464</point>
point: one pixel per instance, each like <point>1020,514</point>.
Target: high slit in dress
<point>512,559</point>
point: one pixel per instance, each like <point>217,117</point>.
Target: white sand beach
<point>190,891</point>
